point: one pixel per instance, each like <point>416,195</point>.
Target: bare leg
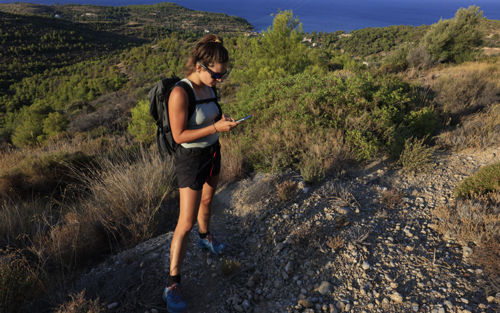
<point>205,208</point>
<point>189,204</point>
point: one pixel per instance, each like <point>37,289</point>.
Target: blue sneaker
<point>211,244</point>
<point>173,297</point>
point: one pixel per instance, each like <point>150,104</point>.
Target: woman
<point>197,158</point>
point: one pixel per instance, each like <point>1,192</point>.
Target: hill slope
<point>342,246</point>
<point>32,44</point>
<point>144,21</point>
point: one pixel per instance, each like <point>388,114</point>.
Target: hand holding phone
<point>244,119</point>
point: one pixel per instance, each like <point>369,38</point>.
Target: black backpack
<point>158,108</point>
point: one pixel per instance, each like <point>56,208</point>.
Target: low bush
<point>475,218</point>
<point>416,155</point>
<point>486,180</point>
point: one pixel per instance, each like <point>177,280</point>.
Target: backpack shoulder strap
<point>191,98</point>
<point>216,100</point>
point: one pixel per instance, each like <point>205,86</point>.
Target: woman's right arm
<point>178,105</point>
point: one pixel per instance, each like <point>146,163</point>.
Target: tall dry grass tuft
<point>126,192</point>
<point>75,240</point>
<point>20,221</point>
<point>19,281</point>
<point>232,159</point>
<point>79,304</point>
<point>323,153</point>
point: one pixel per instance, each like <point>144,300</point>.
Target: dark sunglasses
<point>213,74</point>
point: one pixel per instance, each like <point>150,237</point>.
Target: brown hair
<point>208,50</point>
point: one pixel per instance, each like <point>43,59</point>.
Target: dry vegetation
<point>92,209</point>
<point>79,304</point>
<point>474,219</point>
<point>467,96</point>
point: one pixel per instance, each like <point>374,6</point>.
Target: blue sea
<point>324,15</point>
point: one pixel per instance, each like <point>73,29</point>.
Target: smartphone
<point>243,119</point>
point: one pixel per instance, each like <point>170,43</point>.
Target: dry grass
<point>323,154</point>
<point>286,189</point>
<point>465,89</point>
<point>19,281</point>
<point>125,194</point>
<point>476,219</point>
<point>79,304</point>
<point>335,243</point>
<point>117,204</point>
<point>477,131</point>
<point>391,199</point>
<point>232,159</point>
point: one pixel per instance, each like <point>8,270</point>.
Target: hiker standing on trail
<point>197,157</point>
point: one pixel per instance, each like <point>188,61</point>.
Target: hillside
<point>32,44</point>
<point>368,241</point>
<point>368,179</point>
<point>35,38</point>
<point>142,21</point>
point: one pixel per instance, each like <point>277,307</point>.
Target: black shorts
<point>194,166</point>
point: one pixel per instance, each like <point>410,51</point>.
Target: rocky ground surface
<point>364,242</point>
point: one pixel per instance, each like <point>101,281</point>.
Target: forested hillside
<point>142,21</point>
<point>32,44</point>
<point>80,177</point>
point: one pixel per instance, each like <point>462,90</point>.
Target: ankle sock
<point>176,279</point>
<point>203,235</point>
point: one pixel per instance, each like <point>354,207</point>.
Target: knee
<point>184,227</point>
<point>206,202</point>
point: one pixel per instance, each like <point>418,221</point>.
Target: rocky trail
<point>365,242</point>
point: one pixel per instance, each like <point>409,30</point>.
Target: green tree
<point>54,124</point>
<point>456,39</point>
<point>277,53</point>
<point>142,126</point>
<point>29,129</point>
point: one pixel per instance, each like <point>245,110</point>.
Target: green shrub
<point>142,125</point>
<point>416,156</point>
<point>344,114</point>
<point>484,181</point>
